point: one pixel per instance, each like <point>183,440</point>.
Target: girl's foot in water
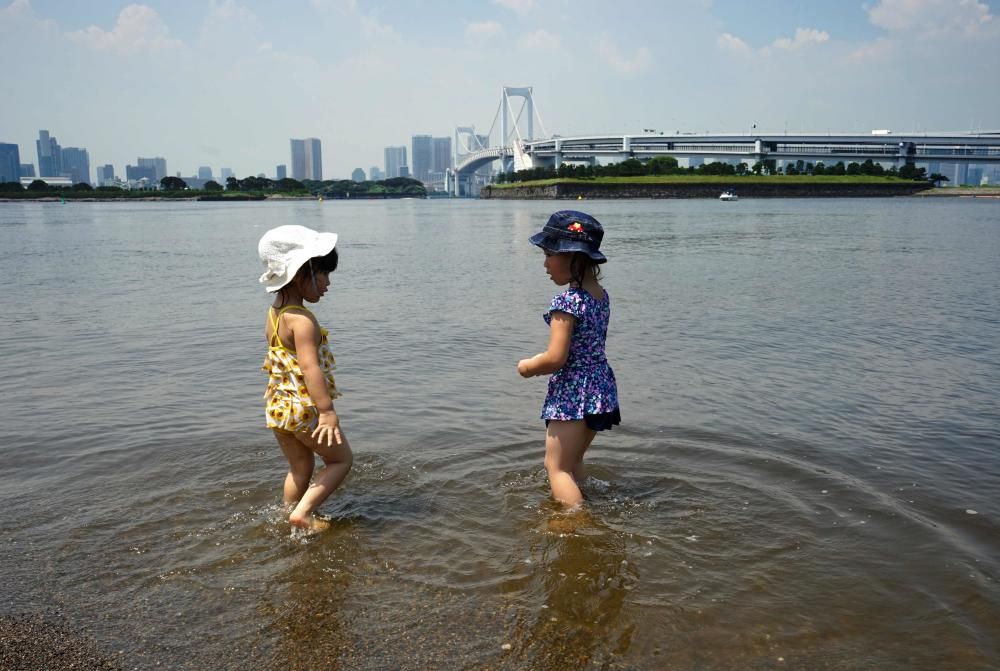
<point>570,520</point>
<point>308,522</point>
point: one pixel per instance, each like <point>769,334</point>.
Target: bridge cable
<point>541,123</point>
<point>494,124</point>
<point>538,115</point>
<point>516,119</point>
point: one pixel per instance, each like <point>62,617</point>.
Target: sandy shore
<point>47,641</point>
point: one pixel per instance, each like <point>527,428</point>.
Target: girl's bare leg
<point>300,467</point>
<point>565,443</point>
<point>579,472</point>
<point>338,460</point>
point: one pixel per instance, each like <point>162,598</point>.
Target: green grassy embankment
<point>722,180</point>
<point>708,186</point>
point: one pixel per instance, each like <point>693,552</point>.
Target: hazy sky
<point>226,83</point>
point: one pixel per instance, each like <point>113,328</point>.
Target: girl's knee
<point>553,464</point>
<point>348,458</point>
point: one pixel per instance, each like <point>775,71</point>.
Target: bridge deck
<point>944,147</point>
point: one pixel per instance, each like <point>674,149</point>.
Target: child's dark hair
<point>324,264</point>
<point>317,264</point>
<point>581,265</point>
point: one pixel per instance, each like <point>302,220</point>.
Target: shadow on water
<point>570,611</point>
<point>302,618</point>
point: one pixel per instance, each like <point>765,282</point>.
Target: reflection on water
<point>303,616</point>
<point>807,477</point>
<point>571,607</point>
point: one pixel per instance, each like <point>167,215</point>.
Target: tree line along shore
<point>249,188</point>
<point>701,187</point>
<point>662,177</point>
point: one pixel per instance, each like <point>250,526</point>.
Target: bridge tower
<point>520,160</point>
<point>467,143</point>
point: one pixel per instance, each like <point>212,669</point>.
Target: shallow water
<point>807,476</point>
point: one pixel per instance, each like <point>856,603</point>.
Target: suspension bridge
<point>518,149</point>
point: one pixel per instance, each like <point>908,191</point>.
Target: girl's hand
<point>524,367</point>
<point>328,426</point>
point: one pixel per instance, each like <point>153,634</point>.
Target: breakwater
<point>574,190</point>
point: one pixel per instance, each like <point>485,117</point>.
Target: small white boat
<point>729,194</point>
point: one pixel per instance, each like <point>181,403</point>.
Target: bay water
<point>807,475</point>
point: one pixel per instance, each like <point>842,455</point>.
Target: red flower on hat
<point>576,227</point>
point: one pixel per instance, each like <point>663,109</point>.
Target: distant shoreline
<point>530,191</point>
<point>248,189</point>
<point>962,192</point>
<point>190,199</point>
<point>677,189</point>
<point>711,186</point>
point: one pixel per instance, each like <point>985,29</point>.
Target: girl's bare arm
<point>553,358</point>
<point>305,332</point>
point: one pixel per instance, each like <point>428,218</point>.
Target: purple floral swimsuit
<point>585,385</point>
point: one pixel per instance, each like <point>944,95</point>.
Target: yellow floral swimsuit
<point>287,405</point>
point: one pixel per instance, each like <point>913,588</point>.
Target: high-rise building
<point>314,158</point>
<point>134,173</point>
<point>298,159</point>
<point>374,174</point>
<point>422,156</point>
<point>49,155</point>
<point>76,164</point>
<point>205,173</point>
<point>105,174</point>
<point>27,170</point>
<point>225,173</point>
<point>10,163</point>
<point>441,161</point>
<point>307,159</point>
<point>395,158</point>
<point>358,175</point>
<point>158,164</point>
<point>281,172</point>
<point>441,158</point>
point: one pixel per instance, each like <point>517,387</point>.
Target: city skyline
<point>227,83</point>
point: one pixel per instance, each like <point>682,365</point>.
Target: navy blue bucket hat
<point>571,231</point>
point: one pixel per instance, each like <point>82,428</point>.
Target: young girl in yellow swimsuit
<point>300,386</point>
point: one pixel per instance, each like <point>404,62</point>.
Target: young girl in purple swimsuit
<point>583,396</point>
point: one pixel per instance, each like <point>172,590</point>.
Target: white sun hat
<point>285,249</point>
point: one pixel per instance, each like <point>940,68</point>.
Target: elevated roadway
<point>828,148</point>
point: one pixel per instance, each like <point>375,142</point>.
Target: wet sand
<point>35,641</point>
